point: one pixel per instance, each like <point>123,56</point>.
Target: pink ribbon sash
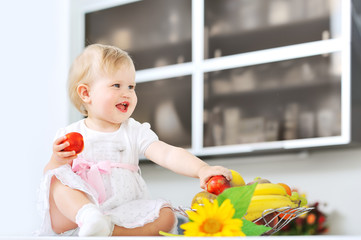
<point>91,173</point>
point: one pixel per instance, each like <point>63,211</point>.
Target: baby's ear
<point>83,92</point>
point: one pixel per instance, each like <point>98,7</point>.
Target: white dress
<point>126,195</point>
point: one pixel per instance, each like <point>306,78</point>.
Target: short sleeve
<point>143,135</point>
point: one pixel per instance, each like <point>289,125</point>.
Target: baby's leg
<point>70,208</point>
<point>65,203</point>
<point>165,222</point>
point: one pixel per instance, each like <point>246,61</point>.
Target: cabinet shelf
<point>163,55</point>
<point>319,85</point>
<point>269,37</point>
<point>288,112</point>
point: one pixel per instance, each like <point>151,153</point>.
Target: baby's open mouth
<point>123,106</point>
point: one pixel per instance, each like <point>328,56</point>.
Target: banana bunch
<point>268,196</point>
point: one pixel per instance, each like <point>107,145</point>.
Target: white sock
<point>92,222</point>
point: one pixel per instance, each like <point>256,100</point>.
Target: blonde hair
<point>95,59</point>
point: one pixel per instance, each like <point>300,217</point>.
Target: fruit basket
<point>274,218</point>
<point>280,217</point>
<point>258,208</point>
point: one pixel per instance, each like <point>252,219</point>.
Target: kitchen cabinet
<point>240,76</point>
<point>156,33</point>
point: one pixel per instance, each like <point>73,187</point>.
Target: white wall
<point>33,102</point>
<point>332,177</point>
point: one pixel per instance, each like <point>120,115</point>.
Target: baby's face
<point>112,97</point>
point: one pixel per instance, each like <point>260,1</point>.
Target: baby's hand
<point>60,156</point>
<point>206,172</point>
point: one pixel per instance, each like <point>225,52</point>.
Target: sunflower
<point>213,220</point>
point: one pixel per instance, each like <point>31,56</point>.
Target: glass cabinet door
<point>238,26</point>
<point>167,105</point>
<point>156,33</point>
<point>293,99</point>
<point>261,75</point>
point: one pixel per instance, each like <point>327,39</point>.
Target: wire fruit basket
<point>274,218</point>
<point>280,217</point>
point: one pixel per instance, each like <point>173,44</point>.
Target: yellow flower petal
<point>213,220</point>
<point>226,209</point>
<point>210,208</point>
<point>195,216</point>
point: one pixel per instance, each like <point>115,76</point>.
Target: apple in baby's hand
<point>217,184</point>
<point>76,142</point>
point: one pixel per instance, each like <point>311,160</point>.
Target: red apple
<point>76,142</point>
<point>217,184</point>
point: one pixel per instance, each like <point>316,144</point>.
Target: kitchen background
<point>41,38</point>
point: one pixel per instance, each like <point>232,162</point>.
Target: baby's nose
<point>125,94</point>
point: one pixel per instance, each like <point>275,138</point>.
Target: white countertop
<point>321,237</point>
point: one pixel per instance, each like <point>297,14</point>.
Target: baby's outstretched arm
<point>60,157</point>
<point>182,162</point>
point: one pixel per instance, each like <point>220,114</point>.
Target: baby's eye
<point>131,87</point>
<point>117,85</point>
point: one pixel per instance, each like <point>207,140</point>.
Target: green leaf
<point>251,229</point>
<point>240,198</point>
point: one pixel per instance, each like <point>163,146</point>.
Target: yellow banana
<point>260,203</point>
<point>269,189</point>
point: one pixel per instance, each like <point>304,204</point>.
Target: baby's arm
<point>60,157</point>
<point>182,162</point>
